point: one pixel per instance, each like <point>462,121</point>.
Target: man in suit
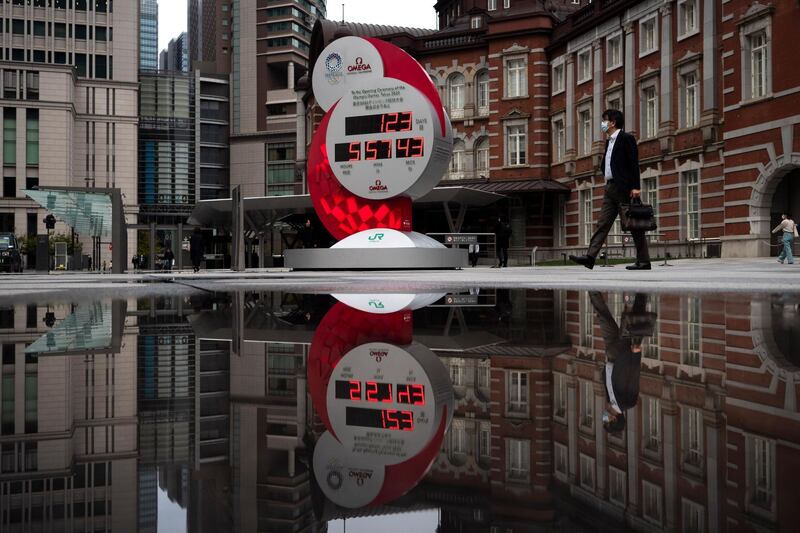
<point>620,169</point>
<point>623,361</point>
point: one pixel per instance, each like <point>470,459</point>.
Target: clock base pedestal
<point>379,249</point>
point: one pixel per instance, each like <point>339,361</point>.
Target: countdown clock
<point>388,408</point>
<point>385,400</point>
<point>399,151</point>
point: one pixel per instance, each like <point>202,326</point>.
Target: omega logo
<point>378,355</point>
<point>378,187</point>
<point>361,476</point>
<point>360,66</point>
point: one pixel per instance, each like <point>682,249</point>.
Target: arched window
<point>457,163</point>
<point>482,157</point>
<point>482,83</point>
<point>455,91</point>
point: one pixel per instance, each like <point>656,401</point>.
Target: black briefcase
<point>637,216</point>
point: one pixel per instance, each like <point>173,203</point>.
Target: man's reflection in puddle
<point>623,355</point>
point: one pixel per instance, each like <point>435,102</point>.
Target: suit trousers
<point>613,202</point>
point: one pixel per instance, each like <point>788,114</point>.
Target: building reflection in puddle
<point>250,411</point>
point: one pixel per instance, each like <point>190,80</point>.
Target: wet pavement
<point>447,410</point>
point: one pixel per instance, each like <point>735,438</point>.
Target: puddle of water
<point>454,411</point>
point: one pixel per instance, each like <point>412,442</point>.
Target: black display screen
<point>380,419</point>
<point>383,123</point>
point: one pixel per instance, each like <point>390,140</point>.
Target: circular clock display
<point>384,140</point>
<point>385,403</point>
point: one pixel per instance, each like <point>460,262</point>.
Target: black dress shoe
<point>639,266</point>
<point>585,260</point>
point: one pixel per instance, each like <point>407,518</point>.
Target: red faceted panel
<point>342,212</point>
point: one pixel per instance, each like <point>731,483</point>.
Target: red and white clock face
<point>384,140</point>
<point>388,408</point>
<point>381,402</point>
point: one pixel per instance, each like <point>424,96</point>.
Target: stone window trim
<point>513,448</point>
<point>650,82</point>
<point>561,450</point>
<point>558,88</point>
<point>755,444</point>
<point>506,60</point>
<point>586,51</point>
<point>617,35</point>
<point>580,144</point>
<point>612,474</point>
<point>683,170</point>
<point>642,22</point>
<point>588,471</point>
<point>559,154</point>
<point>682,32</point>
<point>615,93</point>
<point>654,514</point>
<point>507,125</point>
<point>692,66</point>
<point>523,392</point>
<point>758,19</point>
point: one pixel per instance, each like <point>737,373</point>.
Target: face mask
<point>605,417</point>
<point>604,126</point>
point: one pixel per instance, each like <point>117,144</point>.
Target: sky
<point>414,13</point>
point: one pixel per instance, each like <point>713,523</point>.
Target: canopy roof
<point>89,328</point>
<point>264,211</point>
<point>87,212</point>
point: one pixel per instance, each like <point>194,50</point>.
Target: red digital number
<point>355,151</point>
<point>355,391</point>
<point>406,420</point>
<point>372,391</point>
<point>417,395</point>
<point>389,420</point>
<point>388,122</point>
<point>418,147</point>
<point>404,122</point>
<point>397,420</point>
<point>403,394</point>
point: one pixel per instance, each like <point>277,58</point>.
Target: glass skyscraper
<point>148,35</point>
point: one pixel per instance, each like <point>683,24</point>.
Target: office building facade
<point>175,58</point>
<point>210,28</point>
<point>148,35</point>
<point>74,69</point>
<point>270,50</point>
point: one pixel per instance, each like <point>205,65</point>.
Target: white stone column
<point>597,92</point>
<point>630,80</point>
<point>666,128</point>
<point>670,413</point>
<point>572,429</point>
<point>570,119</point>
<point>290,75</point>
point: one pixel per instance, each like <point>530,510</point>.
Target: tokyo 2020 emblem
<point>333,68</point>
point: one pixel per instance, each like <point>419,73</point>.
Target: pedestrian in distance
<point>788,227</point>
<point>502,237</point>
<point>474,251</point>
<point>135,262</point>
<point>620,168</point>
<point>169,257</point>
<point>197,249</point>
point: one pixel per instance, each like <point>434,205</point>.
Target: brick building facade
<point>706,88</point>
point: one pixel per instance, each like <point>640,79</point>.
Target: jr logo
<point>377,304</point>
<point>376,237</point>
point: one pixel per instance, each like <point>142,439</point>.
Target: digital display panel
<point>407,148</point>
<point>383,123</point>
<point>372,391</point>
<point>411,394</point>
<point>390,419</point>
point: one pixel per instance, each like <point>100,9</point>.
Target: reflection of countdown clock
<point>387,408</point>
<point>385,401</point>
<point>384,140</point>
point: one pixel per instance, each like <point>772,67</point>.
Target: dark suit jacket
<point>624,162</point>
<point>625,377</point>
